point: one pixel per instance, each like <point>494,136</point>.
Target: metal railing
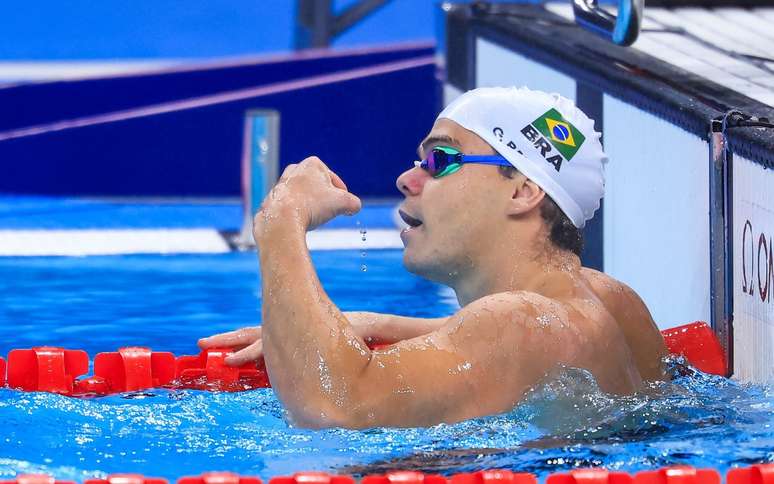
<point>621,29</point>
<point>317,25</point>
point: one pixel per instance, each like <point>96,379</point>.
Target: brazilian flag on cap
<point>560,133</point>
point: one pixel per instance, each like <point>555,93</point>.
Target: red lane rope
<point>58,370</point>
<point>756,474</point>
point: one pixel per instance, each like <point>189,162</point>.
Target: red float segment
<point>494,477</point>
<point>590,476</point>
<point>757,474</point>
<point>219,478</point>
<point>131,369</point>
<point>678,475</point>
<point>404,477</point>
<point>698,343</point>
<point>36,479</point>
<point>2,372</point>
<point>312,478</point>
<point>127,479</point>
<point>208,371</point>
<point>91,386</point>
<point>46,369</point>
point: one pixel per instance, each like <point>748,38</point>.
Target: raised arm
<point>481,361</point>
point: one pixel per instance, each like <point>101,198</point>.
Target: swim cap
<point>545,136</point>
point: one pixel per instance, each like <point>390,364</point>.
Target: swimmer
<point>508,179</point>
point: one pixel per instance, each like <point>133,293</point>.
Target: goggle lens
<point>441,161</point>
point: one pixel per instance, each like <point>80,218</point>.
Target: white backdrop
<point>656,228</point>
<point>497,66</point>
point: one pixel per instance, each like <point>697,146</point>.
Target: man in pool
<point>508,179</point>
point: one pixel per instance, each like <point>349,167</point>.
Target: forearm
<point>311,351</point>
<point>378,328</point>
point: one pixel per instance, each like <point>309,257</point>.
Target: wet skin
<point>528,308</point>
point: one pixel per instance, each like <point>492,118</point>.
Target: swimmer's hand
<point>248,347</point>
<point>246,342</point>
<point>308,193</point>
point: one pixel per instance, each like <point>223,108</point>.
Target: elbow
<point>348,407</point>
<point>327,414</point>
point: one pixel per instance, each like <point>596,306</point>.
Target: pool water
<point>167,302</point>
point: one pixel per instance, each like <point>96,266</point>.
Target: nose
<point>411,181</point>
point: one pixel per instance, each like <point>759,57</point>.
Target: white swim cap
<point>545,136</point>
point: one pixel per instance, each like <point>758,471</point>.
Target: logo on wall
<point>757,263</point>
<point>554,137</point>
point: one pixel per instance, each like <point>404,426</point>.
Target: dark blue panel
<point>33,104</point>
<point>366,129</point>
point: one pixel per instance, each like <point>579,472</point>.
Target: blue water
<point>167,302</point>
<point>41,212</point>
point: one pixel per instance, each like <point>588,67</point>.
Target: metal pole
<point>721,241</point>
<point>260,166</point>
<point>314,23</point>
<point>317,26</point>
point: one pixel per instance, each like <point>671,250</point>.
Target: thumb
<point>350,203</point>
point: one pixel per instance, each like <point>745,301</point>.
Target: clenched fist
<point>308,193</point>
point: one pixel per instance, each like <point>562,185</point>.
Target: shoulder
<point>513,302</point>
<point>615,295</point>
<point>634,320</point>
<point>514,314</point>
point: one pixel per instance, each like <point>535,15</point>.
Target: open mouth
<point>411,221</point>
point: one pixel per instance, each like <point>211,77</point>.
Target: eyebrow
<point>435,140</point>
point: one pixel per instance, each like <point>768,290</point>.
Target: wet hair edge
<point>562,233</point>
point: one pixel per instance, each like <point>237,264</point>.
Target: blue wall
<point>145,29</point>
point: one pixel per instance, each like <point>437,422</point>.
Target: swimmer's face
<point>454,218</point>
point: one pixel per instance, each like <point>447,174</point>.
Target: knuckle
<point>314,161</point>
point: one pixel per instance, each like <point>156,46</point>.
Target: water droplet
<point>363,268</point>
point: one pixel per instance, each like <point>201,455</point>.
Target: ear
<point>526,196</point>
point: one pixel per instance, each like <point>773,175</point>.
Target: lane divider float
<point>58,370</point>
<point>590,476</point>
<point>700,346</point>
<point>494,477</point>
<point>755,474</point>
<point>127,479</point>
